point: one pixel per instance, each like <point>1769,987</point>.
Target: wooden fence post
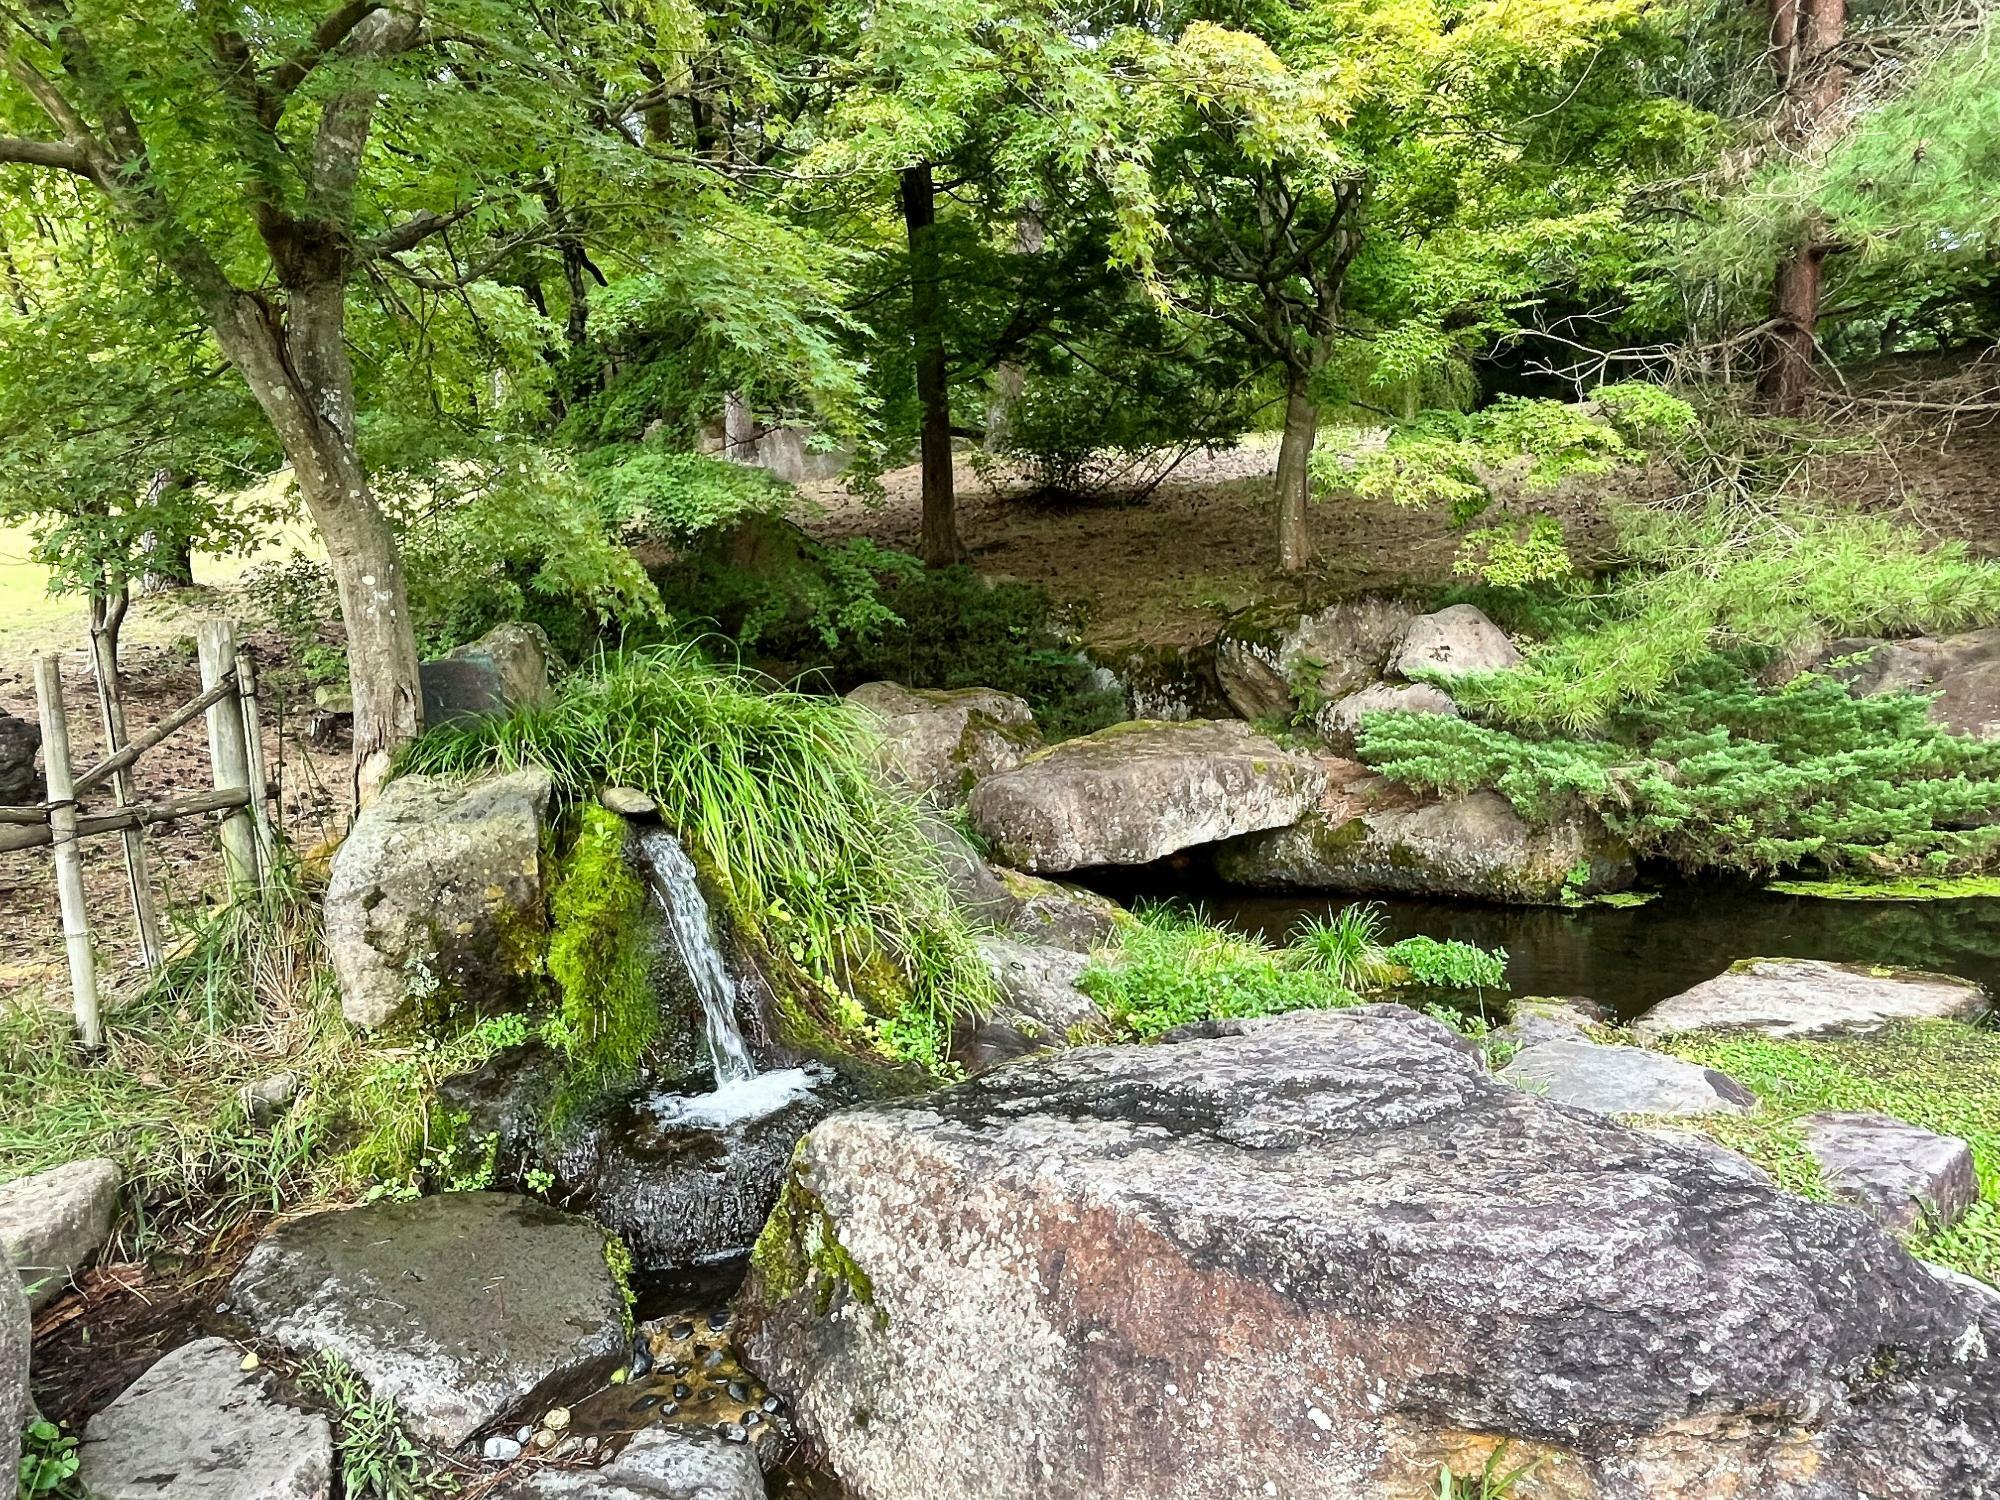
<point>104,662</point>
<point>253,754</point>
<point>215,645</point>
<point>68,851</point>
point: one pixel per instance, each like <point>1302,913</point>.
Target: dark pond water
<point>1631,958</point>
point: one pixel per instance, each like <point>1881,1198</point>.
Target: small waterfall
<point>672,877</point>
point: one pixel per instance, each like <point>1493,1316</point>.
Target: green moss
<point>607,1012</point>
<point>799,1253</point>
<point>618,1260</point>
<point>1622,900</point>
<point>1942,1075</point>
<point>1909,888</point>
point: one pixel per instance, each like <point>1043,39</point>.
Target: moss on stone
<point>800,1254</point>
<point>607,1011</point>
<point>1908,888</point>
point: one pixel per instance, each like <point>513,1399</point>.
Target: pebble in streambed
<point>684,1370</point>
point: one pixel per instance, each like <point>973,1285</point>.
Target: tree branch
<point>57,155</point>
<point>414,230</point>
<point>330,34</point>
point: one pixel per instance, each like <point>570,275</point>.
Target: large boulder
<point>1137,792</point>
<point>1454,642</point>
<point>506,668</point>
<point>53,1223</point>
<point>1615,1080</point>
<point>1060,915</point>
<point>1040,1005</point>
<point>1266,660</point>
<point>940,741</point>
<point>436,897</point>
<point>20,782</point>
<point>1961,672</point>
<point>1477,846</point>
<point>15,1404</point>
<point>659,1463</point>
<point>1906,1177</point>
<point>1321,1256</point>
<point>1799,997</point>
<point>198,1426</point>
<point>1172,683</point>
<point>457,1309</point>
<point>1339,723</point>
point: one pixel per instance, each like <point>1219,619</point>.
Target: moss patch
<point>1910,888</point>
<point>607,1012</point>
<point>799,1253</point>
<point>1942,1075</point>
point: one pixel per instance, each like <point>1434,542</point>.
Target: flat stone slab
<point>1138,792</point>
<point>1799,997</point>
<point>1902,1174</point>
<point>197,1426</point>
<point>1624,1080</point>
<point>53,1223</point>
<point>457,1308</point>
<point>660,1463</point>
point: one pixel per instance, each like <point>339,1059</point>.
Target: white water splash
<point>734,1102</point>
<point>672,877</point>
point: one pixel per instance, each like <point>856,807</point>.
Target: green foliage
<point>1448,964</point>
<point>1494,1481</point>
<point>606,1011</point>
<point>678,495</point>
<point>1346,947</point>
<point>378,1458</point>
<point>776,795</point>
<point>48,1464</point>
<point>1720,774</point>
<point>1942,1075</point>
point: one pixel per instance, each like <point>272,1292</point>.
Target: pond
<point>1630,958</point>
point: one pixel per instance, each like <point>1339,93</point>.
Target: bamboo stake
<point>68,852</point>
<point>253,748</point>
<point>215,645</point>
<point>112,764</point>
<point>111,710</point>
<point>89,825</point>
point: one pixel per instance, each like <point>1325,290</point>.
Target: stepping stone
<point>1624,1080</point>
<point>1905,1176</point>
<point>1796,997</point>
<point>54,1223</point>
<point>457,1308</point>
<point>197,1426</point>
<point>660,1463</point>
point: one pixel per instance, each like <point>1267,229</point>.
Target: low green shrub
<point>1446,964</point>
<point>1942,1075</point>
<point>777,797</point>
<point>677,495</point>
<point>1718,773</point>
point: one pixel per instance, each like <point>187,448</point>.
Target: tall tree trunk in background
<point>169,561</point>
<point>294,359</point>
<point>1011,379</point>
<point>739,430</point>
<point>940,544</point>
<point>1294,481</point>
<point>1804,37</point>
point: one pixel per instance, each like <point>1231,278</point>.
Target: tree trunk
<point>940,545</point>
<point>169,561</point>
<point>1294,483</point>
<point>1804,37</point>
<point>739,430</point>
<point>1785,382</point>
<point>295,363</point>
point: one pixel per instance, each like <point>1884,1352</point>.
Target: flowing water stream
<point>690,923</point>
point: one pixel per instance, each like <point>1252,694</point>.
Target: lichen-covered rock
<point>20,782</point>
<point>1475,846</point>
<point>1615,1080</point>
<point>659,1463</point>
<point>1267,658</point>
<point>1321,1256</point>
<point>1060,915</point>
<point>1040,1005</point>
<point>53,1223</point>
<point>940,741</point>
<point>436,895</point>
<point>1903,1175</point>
<point>506,668</point>
<point>198,1426</point>
<point>1169,683</point>
<point>1454,642</point>
<point>458,1308</point>
<point>1798,997</point>
<point>1339,724</point>
<point>1137,792</point>
<point>14,1342</point>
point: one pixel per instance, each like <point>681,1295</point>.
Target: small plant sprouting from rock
<point>378,1459</point>
<point>1494,1481</point>
<point>48,1464</point>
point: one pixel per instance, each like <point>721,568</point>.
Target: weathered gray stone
<point>265,1100</point>
<point>53,1223</point>
<point>1267,657</point>
<point>1903,1175</point>
<point>1475,846</point>
<point>1547,1018</point>
<point>977,888</point>
<point>1710,1150</point>
<point>197,1426</point>
<point>1340,723</point>
<point>1060,915</point>
<point>15,1405</point>
<point>1624,1080</point>
<point>436,895</point>
<point>1137,792</point>
<point>1168,683</point>
<point>1454,642</point>
<point>629,802</point>
<point>20,782</point>
<point>1962,672</point>
<point>660,1463</point>
<point>1968,701</point>
<point>939,742</point>
<point>1797,997</point>
<point>1040,1005</point>
<point>1319,1257</point>
<point>506,668</point>
<point>457,1308</point>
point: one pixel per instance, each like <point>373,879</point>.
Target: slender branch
<point>414,230</point>
<point>57,155</point>
<point>331,33</point>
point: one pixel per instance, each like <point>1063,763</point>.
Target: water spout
<point>691,925</point>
